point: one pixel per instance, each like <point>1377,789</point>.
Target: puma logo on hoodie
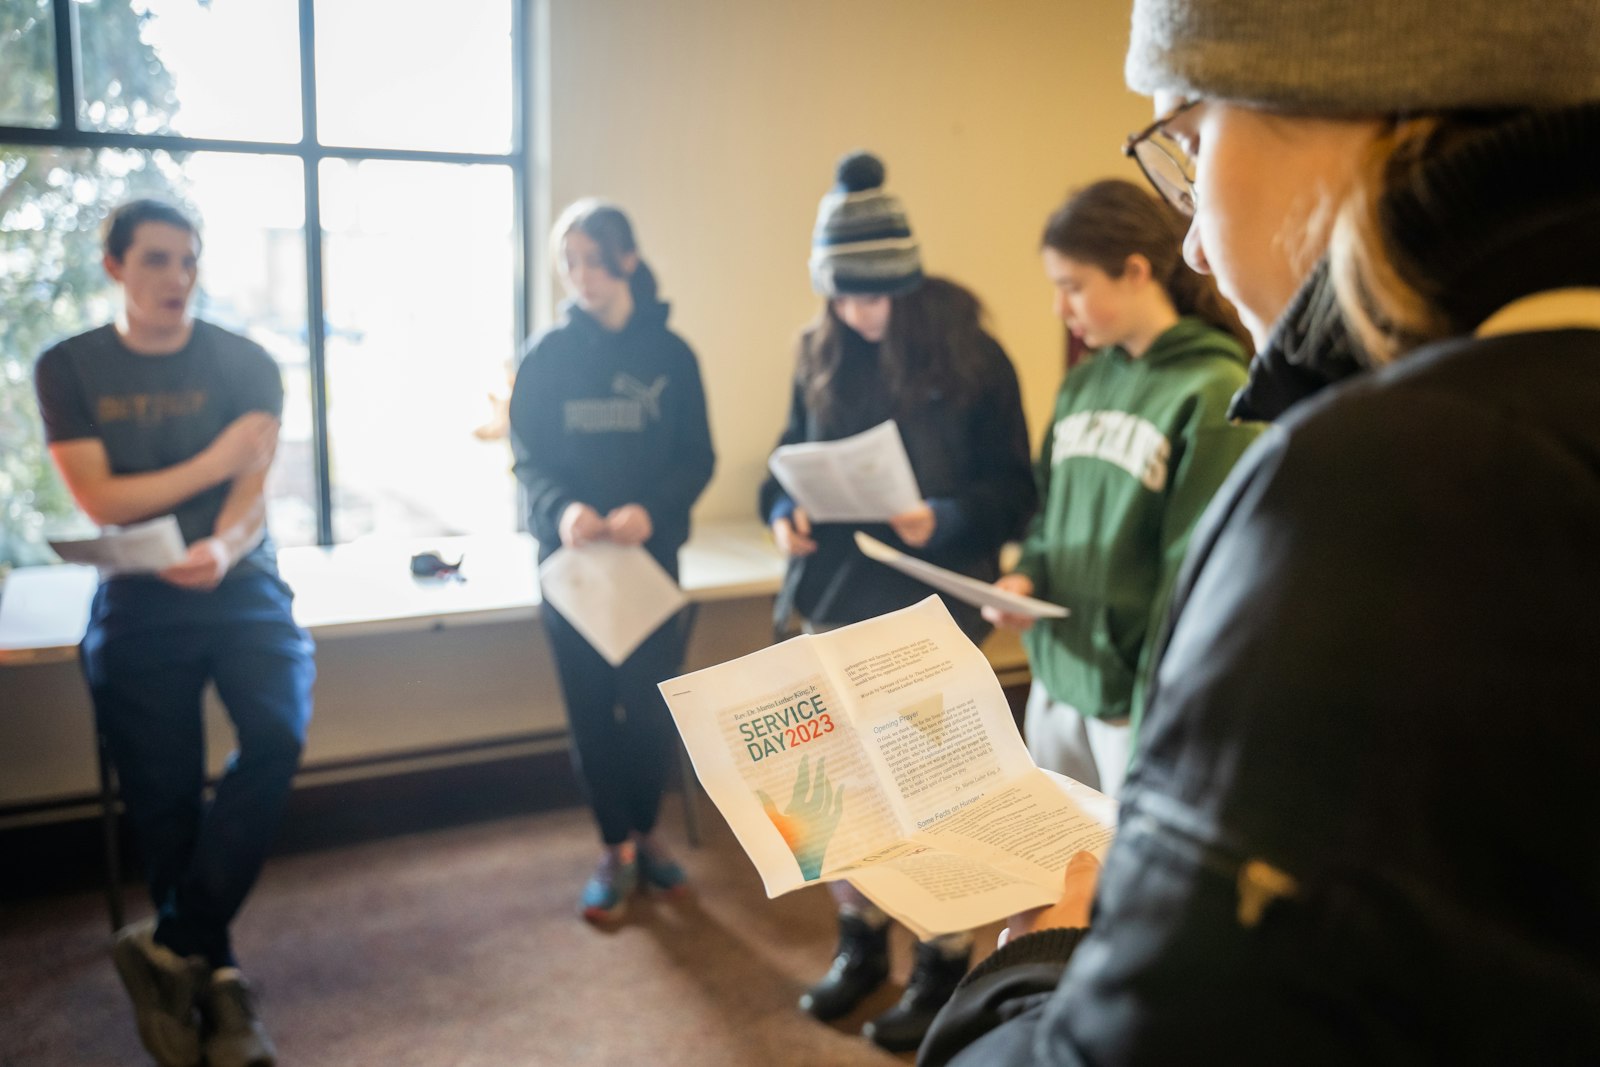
<point>626,412</point>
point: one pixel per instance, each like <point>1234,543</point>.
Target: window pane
<point>415,74</point>
<point>27,64</point>
<point>418,262</point>
<point>52,285</point>
<point>253,281</point>
<point>227,68</point>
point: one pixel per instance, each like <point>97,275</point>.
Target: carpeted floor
<point>461,946</point>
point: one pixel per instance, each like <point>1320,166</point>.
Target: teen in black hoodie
<point>608,426</point>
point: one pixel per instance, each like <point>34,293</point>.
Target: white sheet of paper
<point>864,478</point>
<point>1063,816</point>
<point>46,605</point>
<point>960,586</point>
<point>614,596</point>
<point>141,548</point>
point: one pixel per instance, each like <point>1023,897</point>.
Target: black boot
<point>861,966</point>
<point>934,977</point>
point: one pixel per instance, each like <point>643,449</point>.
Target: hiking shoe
<point>234,1036</point>
<point>860,966</point>
<point>164,987</point>
<point>605,896</point>
<point>660,871</point>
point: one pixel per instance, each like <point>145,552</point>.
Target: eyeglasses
<point>1165,164</point>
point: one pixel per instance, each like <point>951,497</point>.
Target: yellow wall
<point>717,123</point>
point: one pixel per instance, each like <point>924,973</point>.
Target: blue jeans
<point>149,650</point>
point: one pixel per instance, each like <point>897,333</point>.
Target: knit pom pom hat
<point>862,243</point>
<point>1353,57</point>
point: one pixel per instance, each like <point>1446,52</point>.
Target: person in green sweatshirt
<point>1139,442</point>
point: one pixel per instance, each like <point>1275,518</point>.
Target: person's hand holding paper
<point>1071,911</point>
<point>915,527</point>
<point>581,525</point>
<point>1002,616</point>
<point>792,534</point>
<point>629,525</point>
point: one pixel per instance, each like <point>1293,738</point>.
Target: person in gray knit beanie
<point>862,243</point>
<point>1391,598</point>
<point>1323,94</point>
<point>1348,57</point>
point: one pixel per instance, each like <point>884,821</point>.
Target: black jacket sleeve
<point>1354,653</point>
<point>1010,987</point>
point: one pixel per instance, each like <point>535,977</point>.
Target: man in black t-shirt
<point>160,414</point>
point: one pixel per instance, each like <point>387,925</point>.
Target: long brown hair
<point>1105,223</point>
<point>933,343</point>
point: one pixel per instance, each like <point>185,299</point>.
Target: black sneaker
<point>164,987</point>
<point>934,977</point>
<point>860,966</point>
<point>233,1031</point>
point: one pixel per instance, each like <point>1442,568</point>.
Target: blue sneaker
<point>660,871</point>
<point>605,895</point>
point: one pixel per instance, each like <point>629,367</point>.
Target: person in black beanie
<point>1361,829</point>
<point>609,430</point>
<point>892,343</point>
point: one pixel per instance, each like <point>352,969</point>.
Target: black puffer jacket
<point>1362,829</point>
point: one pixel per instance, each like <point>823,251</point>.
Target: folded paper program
<point>885,752</point>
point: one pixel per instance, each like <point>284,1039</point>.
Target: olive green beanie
<point>1368,56</point>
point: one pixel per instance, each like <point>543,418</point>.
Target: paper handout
<point>140,548</point>
<point>864,478</point>
<point>614,595</point>
<point>885,752</point>
<point>960,586</point>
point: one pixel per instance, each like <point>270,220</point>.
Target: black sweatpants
<point>620,759</point>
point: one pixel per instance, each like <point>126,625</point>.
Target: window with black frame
<point>358,171</point>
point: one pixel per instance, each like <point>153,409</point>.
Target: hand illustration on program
<point>807,825</point>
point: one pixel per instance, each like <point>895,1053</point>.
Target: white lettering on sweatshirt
<point>1132,443</point>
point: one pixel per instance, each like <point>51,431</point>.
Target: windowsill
<point>367,586</point>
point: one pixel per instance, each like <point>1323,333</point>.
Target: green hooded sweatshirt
<point>1133,455</point>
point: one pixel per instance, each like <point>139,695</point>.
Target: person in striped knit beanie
<point>862,244</point>
<point>893,343</point>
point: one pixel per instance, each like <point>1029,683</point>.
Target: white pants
<point>1061,739</point>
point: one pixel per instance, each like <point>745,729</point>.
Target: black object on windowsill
<point>433,565</point>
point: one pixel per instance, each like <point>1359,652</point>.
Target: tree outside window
<point>389,413</point>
